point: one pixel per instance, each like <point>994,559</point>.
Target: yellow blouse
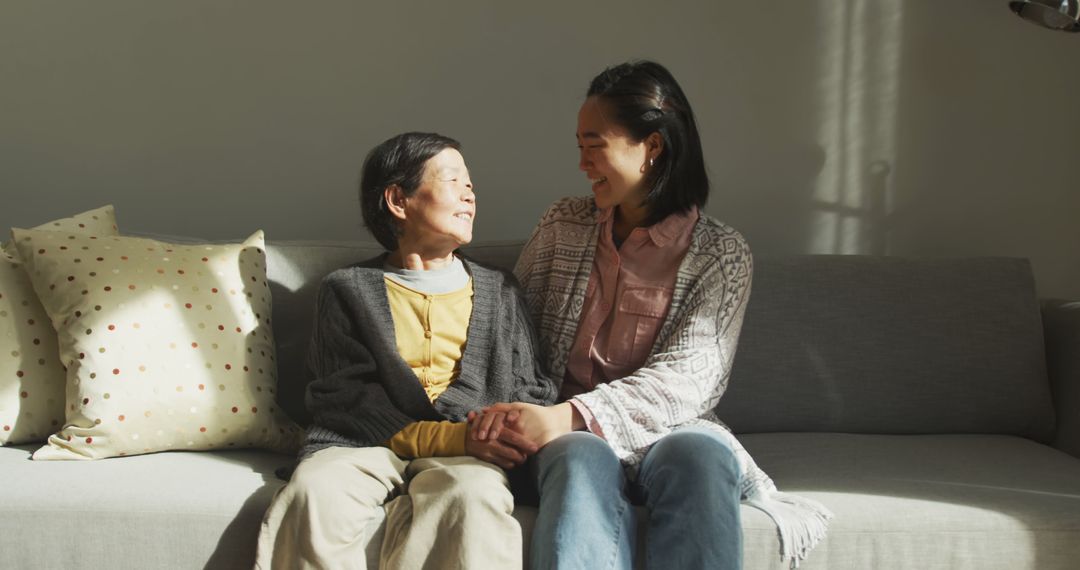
<point>431,331</point>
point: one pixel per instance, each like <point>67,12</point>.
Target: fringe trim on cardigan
<point>801,523</point>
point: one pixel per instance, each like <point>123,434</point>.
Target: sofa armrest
<point>1061,327</point>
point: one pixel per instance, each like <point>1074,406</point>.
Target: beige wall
<point>915,127</point>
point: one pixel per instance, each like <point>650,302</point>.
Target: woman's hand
<point>497,451</point>
<point>489,426</point>
<point>490,439</point>
<point>536,424</point>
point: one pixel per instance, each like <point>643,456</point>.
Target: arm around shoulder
<point>573,210</point>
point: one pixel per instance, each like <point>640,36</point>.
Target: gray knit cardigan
<point>363,392</point>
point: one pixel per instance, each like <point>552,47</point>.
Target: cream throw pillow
<point>167,347</point>
<point>31,376</point>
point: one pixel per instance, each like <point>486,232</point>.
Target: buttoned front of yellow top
<point>431,331</point>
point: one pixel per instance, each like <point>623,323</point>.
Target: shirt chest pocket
<point>638,317</point>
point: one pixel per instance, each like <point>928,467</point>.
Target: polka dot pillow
<point>167,347</point>
<point>31,376</point>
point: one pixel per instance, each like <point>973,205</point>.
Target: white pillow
<point>31,376</point>
<point>167,346</point>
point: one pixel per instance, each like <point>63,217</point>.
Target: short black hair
<point>400,161</point>
<point>644,98</point>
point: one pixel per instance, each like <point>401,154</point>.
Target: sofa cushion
<point>891,345</point>
<point>949,502</point>
<point>166,346</point>
<point>163,510</point>
<point>31,376</point>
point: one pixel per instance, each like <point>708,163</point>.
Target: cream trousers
<point>441,512</point>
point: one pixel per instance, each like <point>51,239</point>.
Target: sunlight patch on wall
<point>859,66</point>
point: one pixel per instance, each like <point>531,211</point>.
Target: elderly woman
<point>405,346</point>
<point>638,298</point>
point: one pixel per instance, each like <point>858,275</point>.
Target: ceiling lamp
<point>1061,15</point>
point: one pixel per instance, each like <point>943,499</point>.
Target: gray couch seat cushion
<point>163,510</point>
<point>949,502</point>
<point>858,344</point>
<point>934,501</point>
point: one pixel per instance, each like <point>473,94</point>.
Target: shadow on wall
<point>776,214</point>
<point>862,229</point>
<point>828,188</point>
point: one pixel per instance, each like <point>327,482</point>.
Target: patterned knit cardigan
<point>690,363</point>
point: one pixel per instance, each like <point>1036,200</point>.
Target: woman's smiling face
<point>612,160</point>
<point>440,212</point>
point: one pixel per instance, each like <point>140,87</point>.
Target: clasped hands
<point>506,434</point>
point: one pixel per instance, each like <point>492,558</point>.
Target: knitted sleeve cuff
<point>430,439</point>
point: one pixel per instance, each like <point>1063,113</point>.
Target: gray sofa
<point>932,405</point>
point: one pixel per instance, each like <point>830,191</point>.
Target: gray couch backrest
<point>891,345</point>
<point>830,343</point>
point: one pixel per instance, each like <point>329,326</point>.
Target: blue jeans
<point>689,482</point>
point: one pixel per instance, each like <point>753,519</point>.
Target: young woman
<point>405,345</point>
<point>638,299</point>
